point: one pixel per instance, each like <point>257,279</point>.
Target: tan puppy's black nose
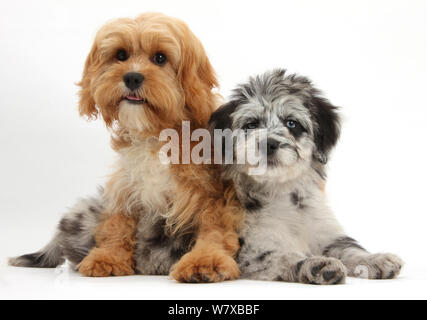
<point>133,80</point>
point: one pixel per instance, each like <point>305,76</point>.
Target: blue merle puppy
<point>290,233</point>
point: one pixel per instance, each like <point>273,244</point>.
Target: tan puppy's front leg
<point>211,208</point>
<point>209,261</point>
<point>113,255</point>
<point>217,242</point>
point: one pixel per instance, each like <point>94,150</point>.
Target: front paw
<point>321,270</point>
<point>103,262</point>
<point>378,266</point>
<point>199,267</point>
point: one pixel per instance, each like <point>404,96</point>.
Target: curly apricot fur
<point>180,90</point>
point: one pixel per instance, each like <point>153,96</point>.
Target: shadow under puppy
<point>290,233</point>
<point>142,76</point>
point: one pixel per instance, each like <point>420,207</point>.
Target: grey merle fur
<point>155,251</point>
<point>73,240</point>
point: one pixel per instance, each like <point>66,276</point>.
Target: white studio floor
<point>64,283</point>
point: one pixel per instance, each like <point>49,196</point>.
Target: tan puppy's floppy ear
<point>197,77</point>
<point>87,103</point>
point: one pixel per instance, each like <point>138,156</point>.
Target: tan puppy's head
<point>147,74</point>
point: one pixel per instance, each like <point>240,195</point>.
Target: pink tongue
<point>133,98</point>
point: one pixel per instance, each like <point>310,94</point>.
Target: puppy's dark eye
<point>122,55</point>
<point>292,124</point>
<point>250,126</point>
<point>159,59</point>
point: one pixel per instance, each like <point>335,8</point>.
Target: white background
<point>368,56</point>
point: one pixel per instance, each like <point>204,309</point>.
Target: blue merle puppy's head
<point>299,126</point>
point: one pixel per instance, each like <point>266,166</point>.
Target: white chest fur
<point>150,182</point>
<point>279,222</point>
<point>295,218</point>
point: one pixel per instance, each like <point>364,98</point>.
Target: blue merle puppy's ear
<point>328,127</point>
<point>221,118</point>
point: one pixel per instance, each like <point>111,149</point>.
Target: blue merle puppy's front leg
<point>360,263</point>
<point>290,267</point>
<point>268,265</point>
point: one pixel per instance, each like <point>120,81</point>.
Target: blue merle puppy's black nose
<point>133,80</point>
<point>272,146</point>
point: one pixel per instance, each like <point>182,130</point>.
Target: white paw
<point>378,266</point>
